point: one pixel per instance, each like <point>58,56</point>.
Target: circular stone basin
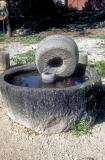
<point>50,108</point>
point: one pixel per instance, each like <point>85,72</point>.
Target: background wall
<point>85,4</point>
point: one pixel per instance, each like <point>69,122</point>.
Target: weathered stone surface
<point>48,77</point>
<point>4,61</point>
<point>83,58</point>
<point>58,54</point>
<point>51,110</point>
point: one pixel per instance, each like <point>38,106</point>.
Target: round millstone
<point>58,54</point>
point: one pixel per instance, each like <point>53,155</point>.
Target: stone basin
<point>51,109</point>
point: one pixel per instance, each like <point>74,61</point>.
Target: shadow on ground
<point>71,21</point>
<point>101,116</point>
<point>81,20</point>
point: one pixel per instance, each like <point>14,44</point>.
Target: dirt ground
<point>20,143</point>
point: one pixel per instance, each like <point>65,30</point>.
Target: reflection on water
<point>33,80</point>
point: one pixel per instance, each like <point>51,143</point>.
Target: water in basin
<point>33,79</point>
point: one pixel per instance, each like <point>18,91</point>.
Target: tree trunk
<point>8,26</point>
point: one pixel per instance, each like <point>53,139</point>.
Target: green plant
<point>2,49</point>
<point>26,58</point>
<point>80,128</point>
<point>2,37</point>
<point>100,66</point>
<point>52,29</point>
<point>101,36</point>
<point>27,39</point>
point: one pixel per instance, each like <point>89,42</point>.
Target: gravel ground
<point>19,143</point>
<point>17,48</point>
<point>95,48</point>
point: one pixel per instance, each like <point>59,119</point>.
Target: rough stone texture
<point>19,143</point>
<point>48,77</point>
<point>51,110</point>
<point>54,47</point>
<point>83,58</point>
<point>4,61</point>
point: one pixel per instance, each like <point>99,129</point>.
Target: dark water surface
<point>33,80</point>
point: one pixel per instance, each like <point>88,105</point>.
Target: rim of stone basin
<point>51,110</point>
<point>91,73</point>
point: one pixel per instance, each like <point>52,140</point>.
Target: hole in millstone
<point>55,62</point>
<point>47,73</point>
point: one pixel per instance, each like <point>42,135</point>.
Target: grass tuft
<point>100,66</point>
<point>80,128</point>
<point>27,39</point>
<point>26,58</point>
